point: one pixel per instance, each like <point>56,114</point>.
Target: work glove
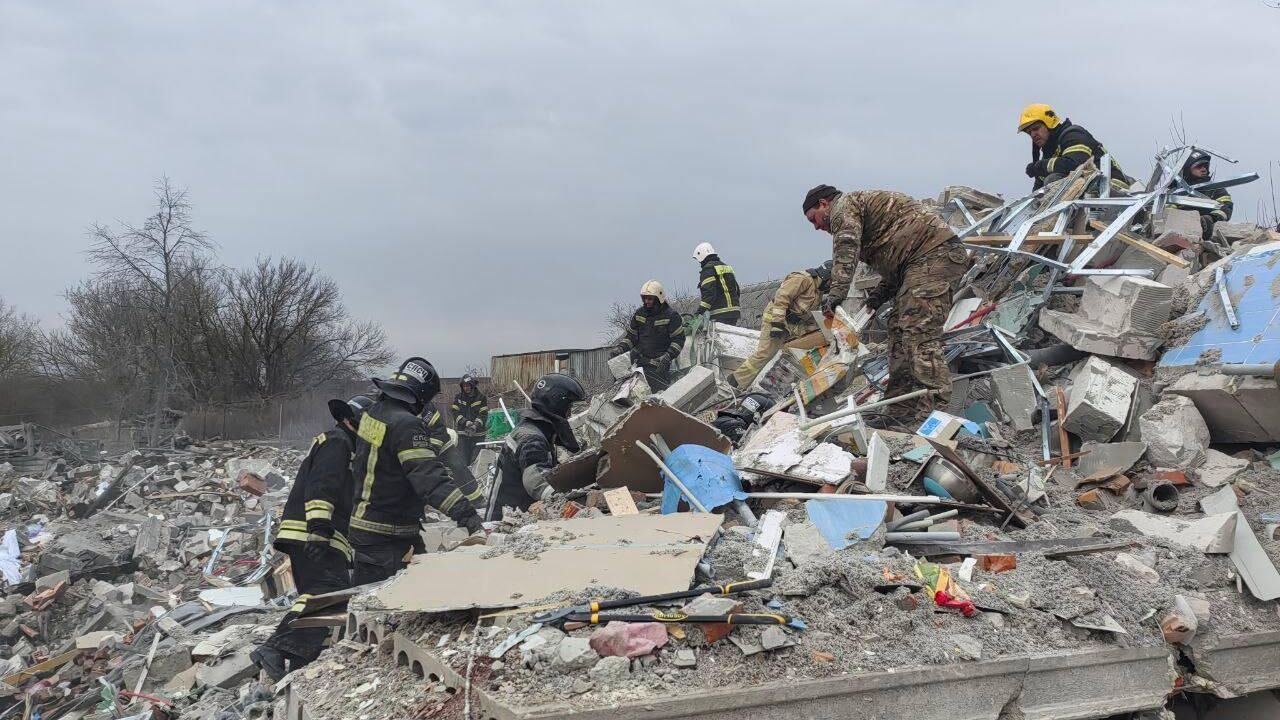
<point>1037,168</point>
<point>617,351</point>
<point>472,523</point>
<point>317,551</point>
<point>830,303</point>
<point>660,361</point>
<point>777,332</point>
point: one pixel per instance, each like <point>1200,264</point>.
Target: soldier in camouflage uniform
<point>920,263</point>
<point>788,316</point>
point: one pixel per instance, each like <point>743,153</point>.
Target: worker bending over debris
<point>654,337</point>
<point>313,533</point>
<point>920,262</point>
<point>528,453</point>
<point>398,468</point>
<point>734,422</point>
<point>1058,146</point>
<point>459,468</point>
<point>718,285</point>
<point>788,316</point>
<point>1196,171</point>
<point>470,410</point>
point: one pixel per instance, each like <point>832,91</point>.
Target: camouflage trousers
<point>920,308</point>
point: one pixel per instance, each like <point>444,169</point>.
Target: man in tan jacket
<point>789,315</point>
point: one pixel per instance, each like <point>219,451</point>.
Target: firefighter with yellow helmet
<point>1059,146</point>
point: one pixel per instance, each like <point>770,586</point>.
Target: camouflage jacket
<point>882,228</point>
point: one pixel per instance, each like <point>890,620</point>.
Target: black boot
<point>271,661</point>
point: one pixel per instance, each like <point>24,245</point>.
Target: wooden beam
<point>1146,247</point>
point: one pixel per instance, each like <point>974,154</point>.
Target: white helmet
<point>701,252</point>
<point>453,439</point>
<point>654,288</point>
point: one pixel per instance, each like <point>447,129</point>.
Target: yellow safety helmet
<point>1038,112</point>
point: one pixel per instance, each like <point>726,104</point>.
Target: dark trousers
<point>380,560</point>
<point>658,376</point>
<point>730,318</point>
<point>467,446</point>
<point>312,576</point>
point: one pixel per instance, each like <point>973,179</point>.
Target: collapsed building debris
<point>1082,513</point>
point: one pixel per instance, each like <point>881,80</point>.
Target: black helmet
<point>553,396</point>
<point>757,404</point>
<point>351,409</point>
<point>555,393</point>
<point>1197,157</point>
<point>823,273</point>
<point>415,383</point>
<point>467,380</point>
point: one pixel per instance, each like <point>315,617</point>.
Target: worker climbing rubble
<point>313,533</point>
<point>920,263</point>
<point>528,453</point>
<point>654,336</point>
<point>718,286</point>
<point>789,315</point>
<point>397,470</point>
<point>1059,146</point>
<point>470,408</point>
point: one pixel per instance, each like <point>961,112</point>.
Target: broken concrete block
<point>1211,534</point>
<point>966,647</point>
<point>1106,459</point>
<point>1220,468</point>
<point>1101,394</point>
<point>573,654</point>
<point>1237,408</point>
<point>1175,220</point>
<point>49,581</point>
<point>1247,554</point>
<point>229,671</point>
<point>620,366</point>
<point>775,638</point>
<point>94,640</point>
<point>1175,433</point>
<point>685,658</point>
<point>1016,395</point>
<point>610,670</point>
<point>694,388</point>
<point>1137,567</point>
<point>1120,316</point>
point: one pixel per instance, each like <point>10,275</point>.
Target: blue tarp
<point>709,475</point>
<point>838,519</point>
<point>1253,283</point>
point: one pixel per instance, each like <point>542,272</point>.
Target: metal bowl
<point>949,478</point>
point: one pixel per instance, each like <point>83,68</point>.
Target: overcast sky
<point>488,177</point>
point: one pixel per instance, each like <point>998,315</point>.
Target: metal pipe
<point>913,499</point>
<point>522,392</point>
<point>841,414</point>
<point>920,538</point>
<point>697,504</point>
<point>506,412</point>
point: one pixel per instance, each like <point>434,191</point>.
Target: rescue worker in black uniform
<point>1196,171</point>
<point>1059,146</point>
<point>721,297</point>
<point>460,469</point>
<point>735,421</point>
<point>313,533</point>
<point>470,411</point>
<point>655,336</point>
<point>529,451</point>
<point>397,470</point>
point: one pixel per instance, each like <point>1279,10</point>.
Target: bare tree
<point>289,331</point>
<point>155,260</point>
<point>19,340</point>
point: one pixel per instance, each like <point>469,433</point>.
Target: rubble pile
<point>139,584</point>
<point>1103,477</point>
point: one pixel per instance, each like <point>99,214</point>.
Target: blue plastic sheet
<point>837,520</point>
<point>709,475</point>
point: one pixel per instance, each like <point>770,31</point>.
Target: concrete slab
<point>1107,459</point>
<point>1220,468</point>
<point>1118,316</point>
<point>1248,555</point>
<point>1183,222</point>
<point>690,390</point>
<point>1101,394</point>
<point>1249,280</point>
<point>1219,399</point>
<point>1015,393</point>
<point>1213,534</point>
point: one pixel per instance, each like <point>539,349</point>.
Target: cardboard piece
<point>620,502</point>
<point>646,554</point>
<point>578,471</point>
<point>627,465</point>
<point>1250,559</point>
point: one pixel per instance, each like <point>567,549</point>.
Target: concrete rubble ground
<point>1135,512</point>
